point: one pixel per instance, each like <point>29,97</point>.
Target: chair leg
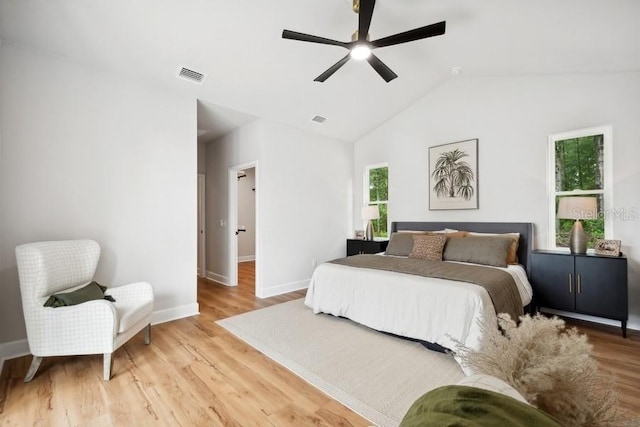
<point>35,364</point>
<point>108,364</point>
<point>147,334</point>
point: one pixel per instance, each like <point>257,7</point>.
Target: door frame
<point>202,219</point>
<point>233,224</point>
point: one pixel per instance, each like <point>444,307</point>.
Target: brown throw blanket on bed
<point>499,284</point>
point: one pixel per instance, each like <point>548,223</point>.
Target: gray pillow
<point>484,250</point>
<point>400,244</point>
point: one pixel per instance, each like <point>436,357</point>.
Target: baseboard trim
<point>246,258</point>
<point>13,349</point>
<point>175,313</point>
<point>282,289</point>
<point>223,280</point>
<point>19,348</point>
<point>632,323</point>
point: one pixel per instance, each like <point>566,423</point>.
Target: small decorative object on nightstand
<point>607,247</point>
<point>357,246</point>
<point>586,284</point>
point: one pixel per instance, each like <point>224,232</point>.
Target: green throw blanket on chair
<point>90,292</point>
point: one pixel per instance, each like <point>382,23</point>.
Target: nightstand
<point>587,284</point>
<point>356,246</point>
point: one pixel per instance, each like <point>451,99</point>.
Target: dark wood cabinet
<point>355,246</point>
<point>586,284</point>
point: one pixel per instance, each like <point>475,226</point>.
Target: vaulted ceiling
<point>252,72</point>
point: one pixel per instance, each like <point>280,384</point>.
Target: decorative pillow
<point>456,234</point>
<point>400,244</point>
<point>489,382</point>
<point>512,258</point>
<point>428,246</point>
<point>90,292</point>
<point>486,250</point>
<point>456,405</point>
<point>447,232</point>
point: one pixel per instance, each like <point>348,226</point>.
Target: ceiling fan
<point>360,47</point>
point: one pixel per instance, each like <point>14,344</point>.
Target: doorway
<point>243,226</point>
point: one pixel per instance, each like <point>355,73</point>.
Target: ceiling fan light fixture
<point>360,46</point>
<point>360,52</point>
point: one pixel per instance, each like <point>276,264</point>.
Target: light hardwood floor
<point>196,373</point>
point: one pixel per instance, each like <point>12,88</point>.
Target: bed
<point>435,310</point>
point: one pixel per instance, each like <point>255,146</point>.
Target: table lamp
<point>578,208</point>
<point>370,213</point>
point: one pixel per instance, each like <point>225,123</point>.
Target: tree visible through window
<point>377,186</point>
<point>579,169</point>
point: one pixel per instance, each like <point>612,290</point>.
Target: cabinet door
<point>602,287</point>
<point>553,281</point>
<point>354,247</point>
<point>372,247</point>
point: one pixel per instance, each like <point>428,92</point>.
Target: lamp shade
<point>578,208</point>
<point>370,212</point>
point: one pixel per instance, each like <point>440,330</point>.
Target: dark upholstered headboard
<point>524,228</point>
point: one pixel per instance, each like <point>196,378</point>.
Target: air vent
<point>192,76</point>
<point>319,119</point>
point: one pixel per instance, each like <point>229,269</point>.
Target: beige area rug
<point>376,375</point>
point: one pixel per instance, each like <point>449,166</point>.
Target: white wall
<point>235,148</point>
<point>247,215</point>
<point>89,156</point>
<point>512,117</point>
<point>305,193</point>
<point>303,202</point>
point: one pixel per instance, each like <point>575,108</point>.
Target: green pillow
<point>400,244</point>
<point>486,250</point>
<point>464,406</point>
<point>90,292</point>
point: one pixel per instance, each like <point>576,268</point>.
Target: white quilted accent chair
<point>93,327</point>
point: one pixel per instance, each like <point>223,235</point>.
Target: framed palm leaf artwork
<point>453,175</point>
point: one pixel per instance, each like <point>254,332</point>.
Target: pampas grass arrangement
<point>551,366</point>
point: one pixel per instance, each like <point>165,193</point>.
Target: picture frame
<point>453,175</point>
<point>607,247</point>
<point>358,234</point>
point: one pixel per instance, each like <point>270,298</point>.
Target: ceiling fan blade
<point>411,35</point>
<point>324,76</point>
<point>365,14</point>
<point>294,35</point>
<point>384,71</point>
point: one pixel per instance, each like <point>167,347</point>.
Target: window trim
<point>607,191</point>
<point>365,188</point>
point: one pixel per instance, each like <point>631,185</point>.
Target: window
<point>376,192</point>
<point>580,165</point>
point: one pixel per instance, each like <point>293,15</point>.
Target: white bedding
<point>430,309</point>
